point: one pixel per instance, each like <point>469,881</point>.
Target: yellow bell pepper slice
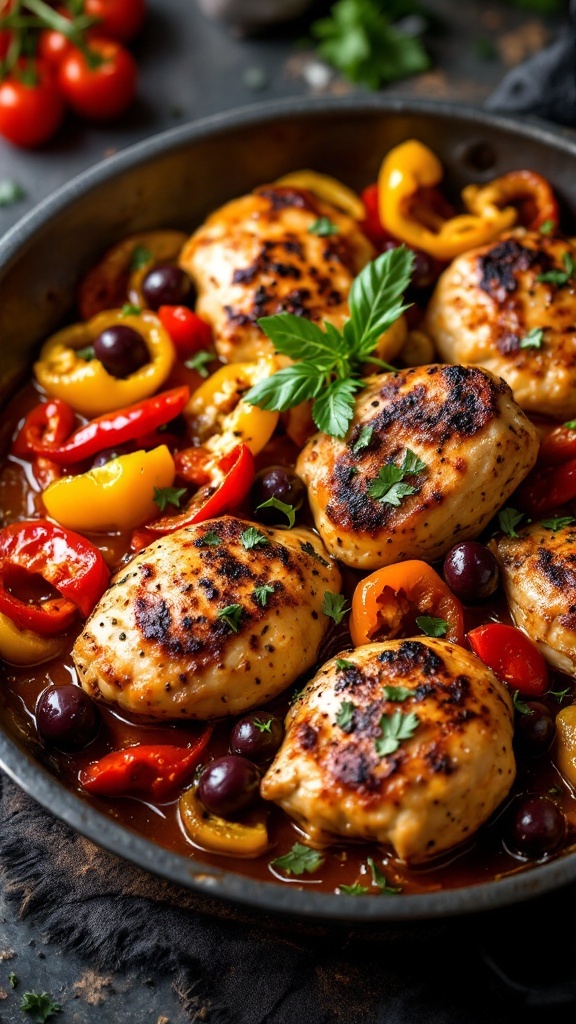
<point>565,743</point>
<point>23,647</point>
<point>84,383</point>
<point>217,417</point>
<point>330,189</point>
<point>116,496</point>
<point>217,835</point>
<point>411,166</point>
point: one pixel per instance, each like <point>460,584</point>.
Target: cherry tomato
<point>512,656</point>
<point>52,45</point>
<point>104,90</point>
<point>546,489</point>
<point>387,603</point>
<point>117,19</point>
<point>31,106</point>
<point>188,332</point>
<point>558,446</point>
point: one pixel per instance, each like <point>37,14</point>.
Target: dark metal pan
<point>174,180</point>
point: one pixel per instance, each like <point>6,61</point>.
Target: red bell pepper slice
<point>558,446</point>
<point>188,332</point>
<point>512,657</point>
<point>546,489</point>
<point>64,559</point>
<point>49,423</point>
<point>115,428</point>
<point>237,470</point>
<point>152,770</point>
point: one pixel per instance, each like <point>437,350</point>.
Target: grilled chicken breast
<point>203,624</point>
<point>473,445</point>
<point>498,307</point>
<point>257,256</point>
<point>539,576</point>
<point>417,767</point>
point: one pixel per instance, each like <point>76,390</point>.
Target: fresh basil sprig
<point>328,363</point>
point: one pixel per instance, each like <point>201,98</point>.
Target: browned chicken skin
<point>489,300</point>
<point>461,422</point>
<point>256,256</point>
<point>435,786</point>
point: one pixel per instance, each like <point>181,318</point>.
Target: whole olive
<point>534,729</point>
<point>121,350</point>
<point>66,717</point>
<point>257,736</point>
<point>535,826</point>
<point>275,482</point>
<point>229,785</point>
<point>166,285</point>
<point>471,571</point>
<point>107,455</point>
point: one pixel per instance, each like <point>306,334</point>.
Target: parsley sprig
<point>328,363</point>
<point>560,277</point>
<point>40,1004</point>
<point>164,496</point>
<point>299,859</point>
<point>389,486</point>
<point>395,728</point>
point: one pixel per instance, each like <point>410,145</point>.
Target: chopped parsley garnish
<point>129,309</point>
<point>231,614</point>
<point>298,860</point>
<point>164,496</point>
<point>327,364</point>
<point>547,227</point>
<point>364,438</point>
<point>252,538</point>
<point>308,548</point>
<point>388,486</point>
<point>395,728</point>
<point>87,353</point>
<point>40,1004</point>
<point>560,277</point>
<point>323,227</point>
<point>534,338</point>
<point>397,693</point>
<point>200,361</point>
<point>335,606</point>
<point>508,520</point>
<point>342,663</point>
<point>432,626</point>
<point>570,425</point>
<point>379,879</point>
<point>261,593</point>
<point>560,695</point>
<point>263,726</point>
<point>140,258</point>
<point>13,979</point>
<point>209,540</point>
<point>557,522</point>
<point>288,510</point>
<point>345,715</point>
<point>520,705</point>
<point>10,192</point>
<point>354,890</point>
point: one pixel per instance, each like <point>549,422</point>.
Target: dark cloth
<point>231,967</point>
<point>544,85</point>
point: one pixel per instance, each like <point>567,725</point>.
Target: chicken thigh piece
<point>511,307</point>
<point>208,621</point>
<point>539,576</point>
<point>261,254</point>
<point>409,743</point>
<point>431,454</point>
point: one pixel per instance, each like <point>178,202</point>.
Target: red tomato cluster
<point>67,57</point>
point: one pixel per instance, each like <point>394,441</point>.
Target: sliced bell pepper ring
<point>188,332</point>
<point>210,832</point>
<point>84,383</point>
<point>546,488</point>
<point>232,478</point>
<point>65,560</point>
<point>153,770</point>
<point>325,187</point>
<point>22,647</point>
<point>387,603</point>
<point>529,192</point>
<point>512,657</point>
<point>219,419</point>
<point>405,171</point>
<point>116,496</point>
<point>49,423</point>
<point>115,428</point>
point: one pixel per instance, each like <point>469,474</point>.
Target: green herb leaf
<point>508,520</point>
<point>397,693</point>
<point>547,227</point>
<point>200,361</point>
<point>570,425</point>
<point>87,353</point>
<point>380,880</point>
<point>534,338</point>
<point>375,299</point>
<point>288,510</point>
<point>209,540</point>
<point>432,626</point>
<point>13,979</point>
<point>128,309</point>
<point>261,594</point>
<point>343,663</point>
<point>353,890</point>
<point>40,1004</point>
<point>10,192</point>
<point>252,538</point>
<point>364,438</point>
<point>286,388</point>
<point>140,258</point>
<point>395,728</point>
<point>323,227</point>
<point>334,408</point>
<point>298,338</point>
<point>520,705</point>
<point>335,606</point>
<point>231,614</point>
<point>345,715</point>
<point>387,486</point>
<point>164,496</point>
<point>560,277</point>
<point>557,522</point>
<point>263,726</point>
<point>298,860</point>
<point>560,695</point>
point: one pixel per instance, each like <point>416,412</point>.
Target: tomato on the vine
<point>31,105</point>
<point>101,85</point>
<point>117,19</point>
